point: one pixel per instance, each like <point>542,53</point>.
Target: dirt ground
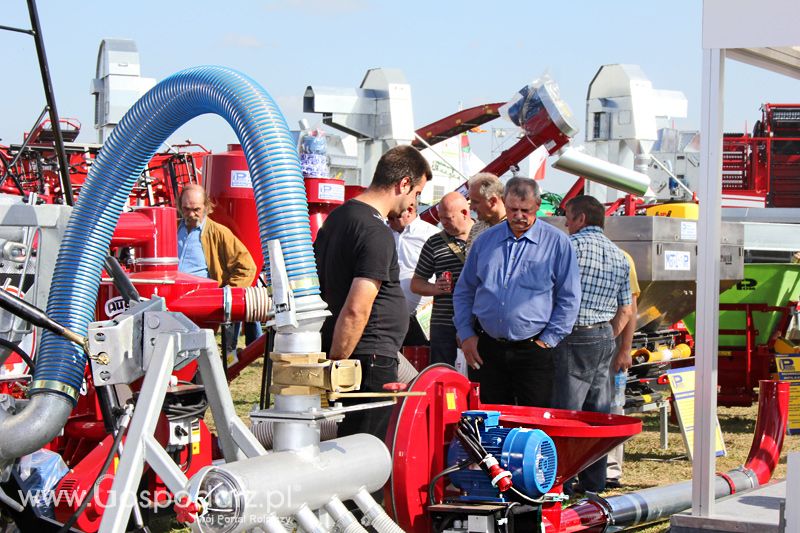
<point>646,464</point>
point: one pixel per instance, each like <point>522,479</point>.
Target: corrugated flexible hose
<point>277,182</point>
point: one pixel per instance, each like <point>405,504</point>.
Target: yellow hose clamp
<point>57,386</point>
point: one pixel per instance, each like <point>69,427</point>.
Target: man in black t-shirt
<point>360,280</point>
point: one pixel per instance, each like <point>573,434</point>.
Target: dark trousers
<point>583,383</point>
<point>415,336</point>
<point>443,344</point>
<point>376,371</point>
<point>252,331</point>
<point>514,374</point>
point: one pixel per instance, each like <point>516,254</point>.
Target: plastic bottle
<point>620,380</point>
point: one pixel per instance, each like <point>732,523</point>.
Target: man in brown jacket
<point>210,250</point>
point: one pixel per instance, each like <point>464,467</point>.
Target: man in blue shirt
<point>517,297</point>
<point>584,359</point>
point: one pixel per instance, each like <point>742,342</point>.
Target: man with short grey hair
<point>486,199</point>
<point>516,299</point>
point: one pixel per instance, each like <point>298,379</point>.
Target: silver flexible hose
<point>308,521</point>
<point>258,304</point>
<point>375,514</point>
<point>345,520</point>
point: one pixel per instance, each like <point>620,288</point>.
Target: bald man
<point>444,252</point>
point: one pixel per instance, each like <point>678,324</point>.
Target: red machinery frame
<point>740,370</point>
<point>765,166</point>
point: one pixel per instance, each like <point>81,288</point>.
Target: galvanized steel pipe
<point>582,164</point>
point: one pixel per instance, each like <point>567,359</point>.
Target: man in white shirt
<point>410,233</point>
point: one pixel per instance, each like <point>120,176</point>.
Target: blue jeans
<point>583,383</point>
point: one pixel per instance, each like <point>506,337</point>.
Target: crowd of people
<point>542,317</point>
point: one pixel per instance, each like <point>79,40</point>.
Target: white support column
<point>708,241</point>
<point>792,512</point>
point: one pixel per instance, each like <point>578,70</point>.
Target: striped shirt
<point>437,257</point>
<point>605,276</point>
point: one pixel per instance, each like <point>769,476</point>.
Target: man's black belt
<point>506,343</point>
<point>591,326</point>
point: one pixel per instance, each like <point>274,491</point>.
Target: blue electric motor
<point>529,454</point>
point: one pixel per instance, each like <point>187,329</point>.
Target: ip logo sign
<point>786,364</point>
<point>240,179</point>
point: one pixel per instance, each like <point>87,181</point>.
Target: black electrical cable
<point>185,468</point>
<point>90,493</point>
<point>470,447</point>
<point>507,513</point>
<point>181,412</point>
<point>446,471</point>
<point>19,351</point>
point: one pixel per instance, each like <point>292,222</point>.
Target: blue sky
<point>452,53</point>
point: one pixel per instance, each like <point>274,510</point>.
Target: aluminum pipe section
<point>279,193</point>
<point>243,493</point>
<point>582,164</point>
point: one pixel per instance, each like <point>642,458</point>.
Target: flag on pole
<point>538,160</point>
<point>464,156</point>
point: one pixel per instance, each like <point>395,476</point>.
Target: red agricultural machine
<point>104,428</point>
<point>764,167</point>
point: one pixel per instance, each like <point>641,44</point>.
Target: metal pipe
<point>308,521</point>
<point>375,514</point>
<point>657,503</point>
<point>272,524</point>
<point>30,429</point>
<point>582,164</point>
<point>63,164</point>
<point>344,519</point>
<point>283,482</point>
<point>264,431</point>
<point>296,435</point>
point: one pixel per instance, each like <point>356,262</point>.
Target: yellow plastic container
<point>677,210</point>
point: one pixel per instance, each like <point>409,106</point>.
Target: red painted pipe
<point>163,241</point>
<point>205,306</point>
<point>132,229</point>
<point>251,353</point>
<point>773,411</point>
